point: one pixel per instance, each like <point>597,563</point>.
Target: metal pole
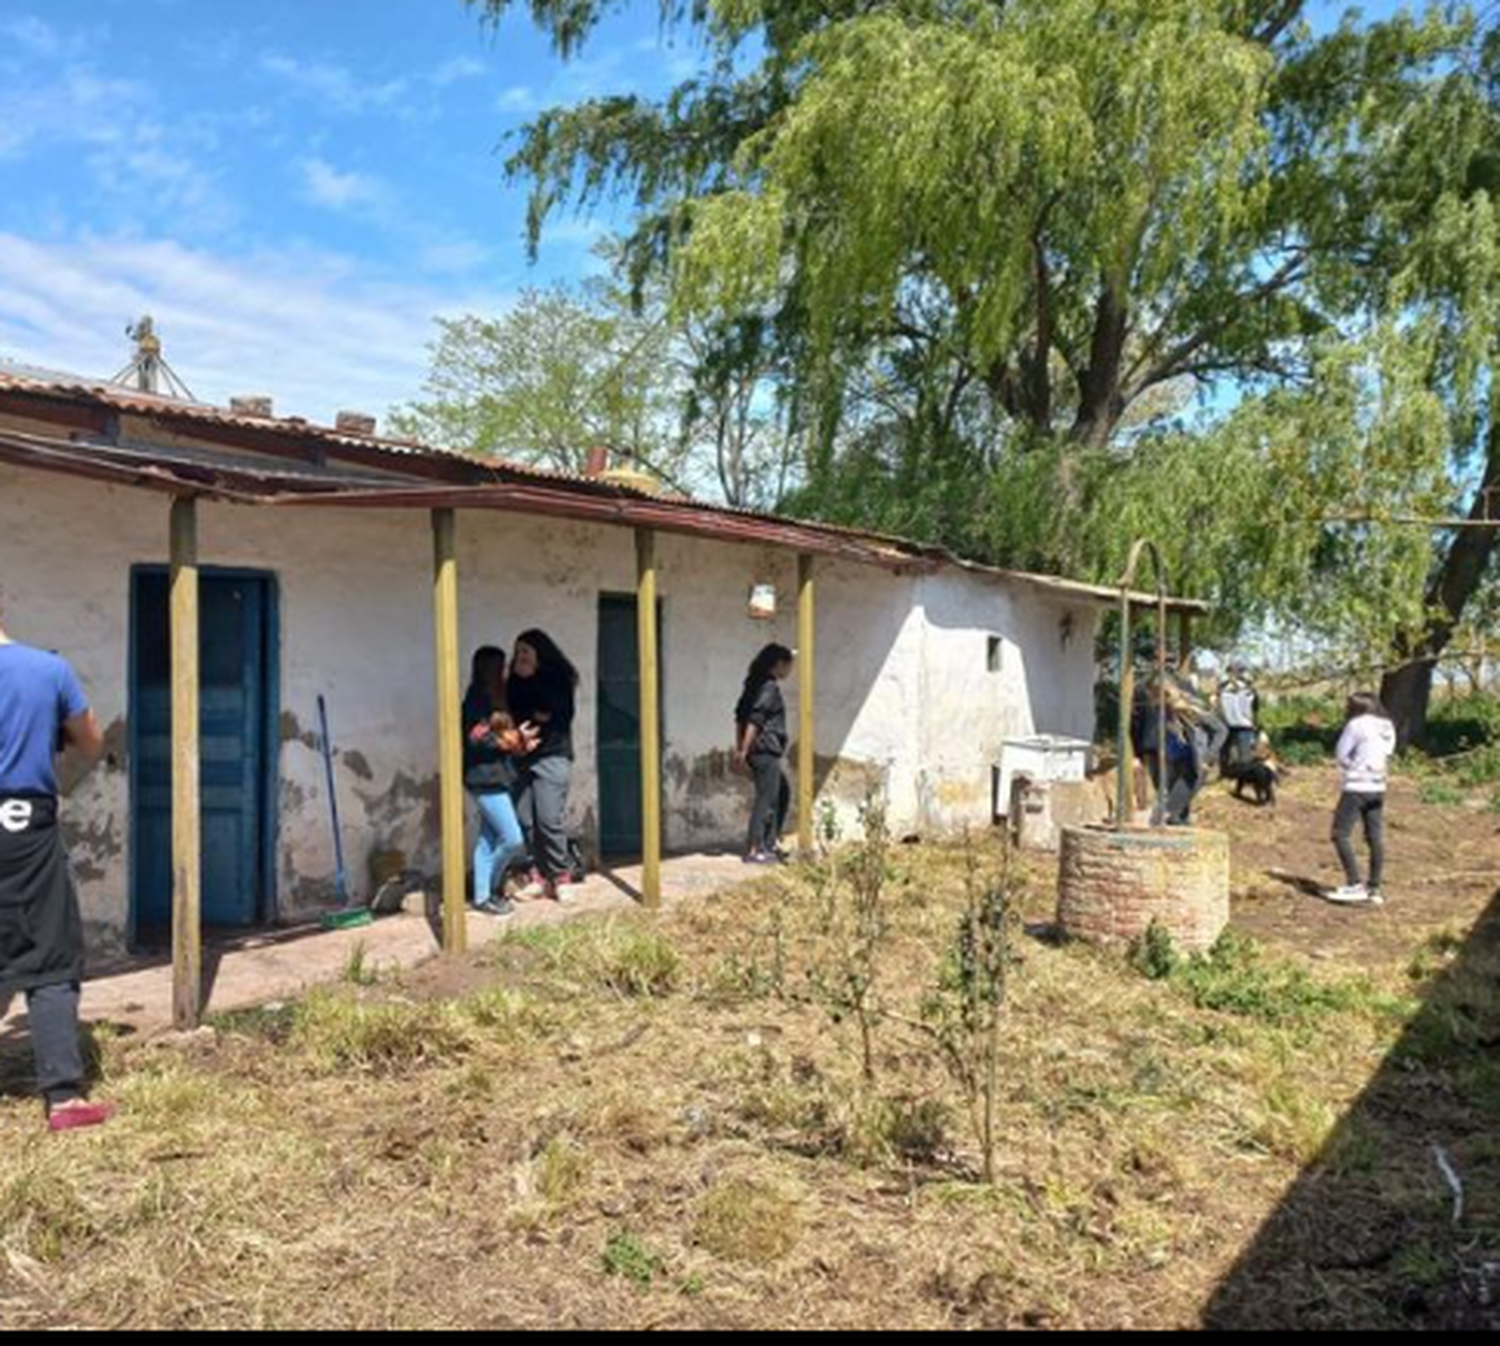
<point>1138,553</point>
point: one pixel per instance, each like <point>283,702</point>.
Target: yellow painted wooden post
<point>807,667</point>
<point>450,729</point>
<point>1185,637</point>
<point>648,597</point>
<point>187,823</point>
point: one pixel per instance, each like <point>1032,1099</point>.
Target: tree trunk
<point>1407,693</point>
<point>1101,400</point>
<point>1408,687</point>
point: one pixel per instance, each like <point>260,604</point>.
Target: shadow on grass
<point>18,1071</point>
<point>1368,1238</point>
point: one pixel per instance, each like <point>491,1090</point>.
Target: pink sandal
<point>79,1116</point>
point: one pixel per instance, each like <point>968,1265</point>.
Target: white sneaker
<point>1350,897</point>
<point>1376,899</point>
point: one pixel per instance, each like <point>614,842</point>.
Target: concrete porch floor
<point>280,965</point>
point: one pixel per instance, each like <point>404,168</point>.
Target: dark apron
<point>41,929</point>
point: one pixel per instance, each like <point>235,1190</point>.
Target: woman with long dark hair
<point>761,743</point>
<point>544,692</point>
<point>492,744</point>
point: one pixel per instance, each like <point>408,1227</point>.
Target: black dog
<point>1263,777</point>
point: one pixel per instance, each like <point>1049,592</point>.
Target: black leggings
<point>773,804</point>
<point>1353,809</point>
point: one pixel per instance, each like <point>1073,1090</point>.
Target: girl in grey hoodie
<point>1364,754</point>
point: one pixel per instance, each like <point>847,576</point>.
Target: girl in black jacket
<point>544,693</point>
<point>762,740</point>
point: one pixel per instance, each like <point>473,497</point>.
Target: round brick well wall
<point>1115,885</point>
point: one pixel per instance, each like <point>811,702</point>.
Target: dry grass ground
<point>640,1123</point>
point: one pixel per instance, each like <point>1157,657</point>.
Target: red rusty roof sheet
<point>411,476</point>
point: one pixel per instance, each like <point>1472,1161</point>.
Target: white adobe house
<point>316,556</point>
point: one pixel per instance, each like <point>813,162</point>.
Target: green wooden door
<point>620,811</point>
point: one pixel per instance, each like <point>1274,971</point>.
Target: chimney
<point>598,462</point>
<point>356,423</point>
<point>261,408</point>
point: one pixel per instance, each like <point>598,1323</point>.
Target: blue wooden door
<point>621,816</point>
<point>235,674</point>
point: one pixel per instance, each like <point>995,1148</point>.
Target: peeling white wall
<point>1044,685</point>
<point>905,697</point>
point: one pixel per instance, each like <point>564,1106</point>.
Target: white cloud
<point>335,86</point>
<point>453,256</point>
<point>73,104</point>
<point>334,189</point>
<point>519,98</point>
<point>457,70</point>
<point>317,331</point>
<point>143,168</point>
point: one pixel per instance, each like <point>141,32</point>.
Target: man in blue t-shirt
<point>43,711</point>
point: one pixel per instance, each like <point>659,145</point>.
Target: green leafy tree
<point>560,374</point>
<point>996,248</point>
<point>572,369</point>
<point>1072,202</point>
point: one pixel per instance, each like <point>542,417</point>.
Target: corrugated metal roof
<point>99,393</point>
<point>464,481</point>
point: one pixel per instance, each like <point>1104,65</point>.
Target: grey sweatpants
<point>773,804</point>
<point>53,1011</point>
<point>542,804</point>
<point>1353,810</point>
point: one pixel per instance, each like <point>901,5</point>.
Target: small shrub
<point>1442,794</point>
<point>1481,769</point>
<point>1236,978</point>
<point>751,1222</point>
<point>1303,753</point>
<point>852,893</point>
<point>627,1257</point>
<point>963,1013</point>
<point>1154,955</point>
<point>1304,729</point>
<point>914,1129</point>
<point>358,971</point>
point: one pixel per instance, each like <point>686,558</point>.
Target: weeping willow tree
<point>1042,272</point>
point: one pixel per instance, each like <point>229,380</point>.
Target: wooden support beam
<point>450,729</point>
<point>187,821</point>
<point>648,594</point>
<point>807,676</point>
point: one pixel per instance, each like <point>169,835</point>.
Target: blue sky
<point>293,188</point>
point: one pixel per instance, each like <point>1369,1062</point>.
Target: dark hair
<point>761,672</point>
<point>551,661</point>
<point>1367,703</point>
<point>485,657</point>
